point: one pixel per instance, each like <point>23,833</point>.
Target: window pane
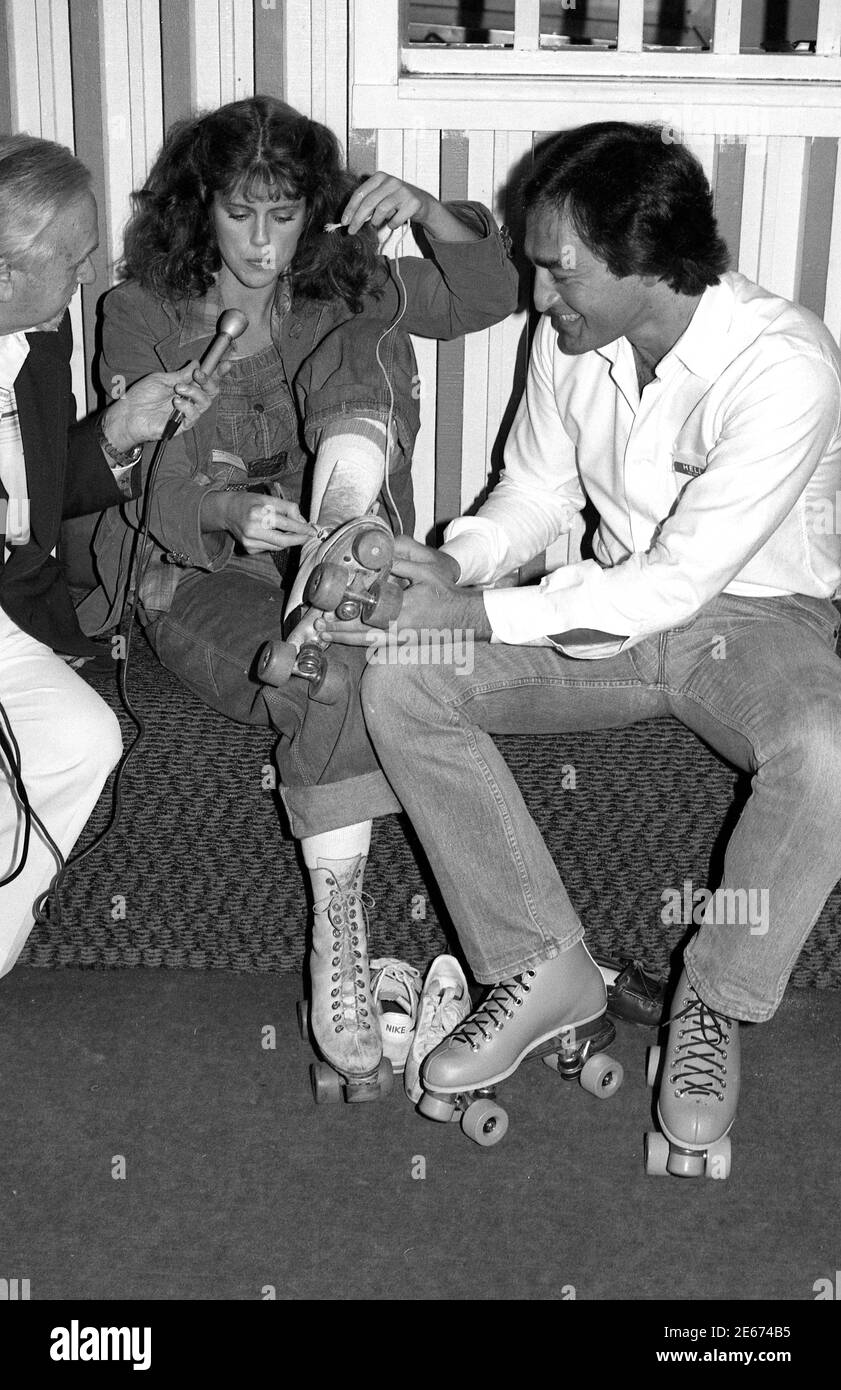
<point>775,26</point>
<point>779,26</point>
<point>452,22</point>
<point>592,23</point>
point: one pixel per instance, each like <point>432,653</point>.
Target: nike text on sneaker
<point>395,987</point>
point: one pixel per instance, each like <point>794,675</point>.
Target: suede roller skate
<point>699,1090</point>
<point>555,1011</point>
<point>342,1014</point>
<point>347,574</point>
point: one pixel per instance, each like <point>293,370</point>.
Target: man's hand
<point>142,413</point>
<point>387,202</point>
<point>432,601</point>
<point>256,522</point>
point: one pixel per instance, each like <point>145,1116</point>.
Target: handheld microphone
<point>230,326</point>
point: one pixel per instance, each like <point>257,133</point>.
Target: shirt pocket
<point>261,423</point>
<point>223,469</point>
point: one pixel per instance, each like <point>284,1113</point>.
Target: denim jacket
<point>329,357</point>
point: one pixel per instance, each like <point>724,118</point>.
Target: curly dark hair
<point>637,198</point>
<point>262,148</point>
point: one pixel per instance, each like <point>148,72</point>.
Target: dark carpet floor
<point>234,1181</point>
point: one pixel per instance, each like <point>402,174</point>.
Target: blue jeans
<point>757,679</point>
<point>210,639</point>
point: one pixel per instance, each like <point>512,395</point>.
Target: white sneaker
<point>445,1001</point>
<point>396,988</point>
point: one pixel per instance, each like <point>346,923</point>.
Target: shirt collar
<point>14,350</point>
<point>202,315</point>
<point>703,347</point>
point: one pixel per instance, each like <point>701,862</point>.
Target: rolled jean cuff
<point>741,1008</point>
<point>332,805</point>
<point>489,972</point>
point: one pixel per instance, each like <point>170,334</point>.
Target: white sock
<point>348,472</point>
<point>348,842</point>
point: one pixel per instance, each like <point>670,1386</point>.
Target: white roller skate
<point>348,574</point>
<point>342,1013</point>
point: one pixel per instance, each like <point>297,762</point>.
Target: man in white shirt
<point>58,739</point>
<point>701,416</point>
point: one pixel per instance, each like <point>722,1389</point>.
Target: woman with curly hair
<point>250,208</point>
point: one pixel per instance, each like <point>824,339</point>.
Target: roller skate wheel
<point>435,1107</point>
<point>276,663</point>
<point>652,1065</point>
<point>601,1076</point>
<point>385,1077</point>
<point>303,1012</point>
<point>329,688</point>
<point>325,587</point>
<point>485,1123</point>
<point>684,1164</point>
<point>656,1154</point>
<point>387,607</point>
<point>718,1159</point>
<point>326,1084</point>
<point>373,549</point>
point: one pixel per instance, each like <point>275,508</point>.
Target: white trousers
<point>69,741</point>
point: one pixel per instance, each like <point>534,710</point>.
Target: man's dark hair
<point>638,200</point>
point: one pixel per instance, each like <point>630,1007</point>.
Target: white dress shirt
<point>14,523</point>
<point>724,476</point>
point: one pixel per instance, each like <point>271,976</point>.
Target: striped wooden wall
<point>107,77</point>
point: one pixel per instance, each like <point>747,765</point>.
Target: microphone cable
<point>402,304</point>
<point>137,564</point>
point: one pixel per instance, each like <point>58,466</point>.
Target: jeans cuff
<point>486,973</point>
<point>743,1010</point>
<point>332,805</point>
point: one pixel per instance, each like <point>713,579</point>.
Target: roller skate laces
<point>351,1004</point>
<point>444,1004</point>
<point>697,1067</point>
<point>395,989</point>
<point>494,1011</point>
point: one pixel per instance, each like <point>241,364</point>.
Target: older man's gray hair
<point>38,179</point>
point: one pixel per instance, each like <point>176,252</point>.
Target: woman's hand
<point>256,522</point>
<point>386,201</point>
